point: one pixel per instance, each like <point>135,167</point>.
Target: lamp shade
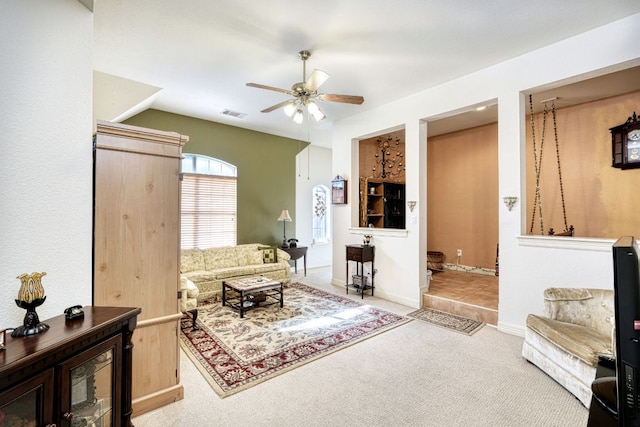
<point>290,108</point>
<point>315,111</point>
<point>298,117</point>
<point>284,216</point>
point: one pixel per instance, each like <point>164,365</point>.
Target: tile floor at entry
<point>471,295</point>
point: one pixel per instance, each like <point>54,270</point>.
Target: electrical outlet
<point>459,252</point>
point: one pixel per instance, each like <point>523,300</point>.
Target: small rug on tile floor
<point>234,354</point>
<point>447,320</point>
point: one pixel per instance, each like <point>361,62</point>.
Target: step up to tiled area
<point>470,311</point>
<point>470,295</point>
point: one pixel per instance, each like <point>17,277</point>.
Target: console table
<point>76,373</point>
<point>360,254</point>
<point>296,254</point>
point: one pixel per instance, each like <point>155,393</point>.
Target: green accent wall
<point>266,169</point>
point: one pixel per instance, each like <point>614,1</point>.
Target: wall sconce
<point>412,204</point>
<point>509,201</point>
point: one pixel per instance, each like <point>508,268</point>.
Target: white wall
<point>313,167</point>
<point>46,164</point>
<point>527,266</point>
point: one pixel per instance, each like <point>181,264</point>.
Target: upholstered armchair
<point>577,327</point>
<point>189,299</point>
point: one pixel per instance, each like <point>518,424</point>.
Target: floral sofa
<point>577,327</point>
<point>208,268</point>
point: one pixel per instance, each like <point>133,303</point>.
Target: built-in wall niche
<point>382,157</point>
<point>382,181</point>
<point>598,200</point>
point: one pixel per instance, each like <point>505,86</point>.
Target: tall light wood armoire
<point>136,249</point>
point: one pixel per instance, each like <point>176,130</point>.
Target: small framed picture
<point>3,338</point>
<point>339,191</point>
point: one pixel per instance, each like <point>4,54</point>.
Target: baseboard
<point>383,295</point>
<point>510,328</point>
<point>398,300</point>
<point>158,399</point>
<point>338,282</point>
<point>470,269</point>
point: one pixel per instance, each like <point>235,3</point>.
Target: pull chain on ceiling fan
<point>305,93</point>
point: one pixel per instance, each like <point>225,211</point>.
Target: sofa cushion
<point>191,260</point>
<point>249,255</point>
<point>582,342</point>
<point>226,273</point>
<point>215,258</point>
<point>282,255</point>
<point>189,287</point>
<point>200,276</point>
<point>566,294</point>
<point>266,268</point>
<point>593,308</point>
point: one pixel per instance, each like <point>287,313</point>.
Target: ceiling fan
<point>305,93</point>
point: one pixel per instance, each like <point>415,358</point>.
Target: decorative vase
<point>367,240</point>
<point>30,296</point>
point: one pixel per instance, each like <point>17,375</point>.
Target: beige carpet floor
<point>414,375</point>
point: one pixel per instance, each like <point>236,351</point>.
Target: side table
<point>296,254</point>
<point>360,254</point>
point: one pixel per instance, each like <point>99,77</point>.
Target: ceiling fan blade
<point>275,107</point>
<point>315,80</point>
<point>277,89</point>
<point>349,99</point>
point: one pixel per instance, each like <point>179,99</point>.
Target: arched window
<point>321,213</point>
<point>209,205</point>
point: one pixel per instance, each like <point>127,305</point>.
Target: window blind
<point>208,211</point>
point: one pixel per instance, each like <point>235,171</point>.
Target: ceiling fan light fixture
<point>315,111</point>
<point>302,92</point>
<point>312,107</point>
<point>319,115</point>
<point>290,108</point>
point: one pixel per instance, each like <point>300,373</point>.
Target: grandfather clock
<point>625,144</point>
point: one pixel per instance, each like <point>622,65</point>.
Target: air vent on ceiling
<point>235,114</point>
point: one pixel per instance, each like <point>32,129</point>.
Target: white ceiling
<point>195,57</point>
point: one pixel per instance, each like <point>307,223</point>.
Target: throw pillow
<point>254,257</point>
<point>269,254</point>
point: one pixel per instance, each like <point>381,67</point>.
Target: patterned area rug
<point>447,320</point>
<point>234,354</point>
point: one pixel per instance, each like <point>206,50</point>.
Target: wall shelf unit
<point>382,204</point>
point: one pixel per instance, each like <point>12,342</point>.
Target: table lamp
<point>284,217</point>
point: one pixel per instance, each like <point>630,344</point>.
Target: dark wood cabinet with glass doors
<point>78,373</point>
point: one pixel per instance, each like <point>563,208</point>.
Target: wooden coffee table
<point>238,293</point>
